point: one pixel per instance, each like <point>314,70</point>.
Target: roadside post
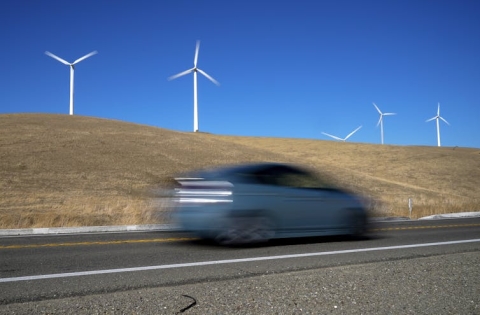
<point>410,206</point>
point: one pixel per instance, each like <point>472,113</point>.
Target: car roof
<point>229,170</point>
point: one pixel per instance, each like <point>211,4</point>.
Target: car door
<point>300,207</point>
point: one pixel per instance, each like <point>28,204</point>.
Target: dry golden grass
<point>60,170</point>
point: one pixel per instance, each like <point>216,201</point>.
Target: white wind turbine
<point>380,121</point>
<point>340,139</point>
<point>72,70</point>
<point>195,70</point>
<point>438,117</point>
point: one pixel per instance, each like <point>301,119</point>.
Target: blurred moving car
<point>257,202</point>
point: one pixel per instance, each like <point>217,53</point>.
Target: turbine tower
<point>72,70</point>
<point>195,70</point>
<point>340,139</point>
<point>438,117</point>
<point>380,121</point>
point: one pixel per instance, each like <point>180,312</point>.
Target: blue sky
<point>290,69</point>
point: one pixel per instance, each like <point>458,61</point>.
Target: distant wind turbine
<point>438,117</point>
<point>195,70</point>
<point>380,121</point>
<point>72,70</point>
<point>340,139</point>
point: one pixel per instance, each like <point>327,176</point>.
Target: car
<point>258,202</point>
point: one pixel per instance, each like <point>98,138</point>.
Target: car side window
<point>265,177</point>
<point>248,178</point>
<point>298,180</point>
<point>288,177</point>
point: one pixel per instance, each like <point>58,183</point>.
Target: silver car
<point>257,202</point>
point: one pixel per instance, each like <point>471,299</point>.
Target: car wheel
<point>263,229</point>
<point>246,230</point>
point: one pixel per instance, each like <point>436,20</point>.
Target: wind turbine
<point>438,117</point>
<point>380,121</point>
<point>195,70</point>
<point>340,139</point>
<point>72,70</point>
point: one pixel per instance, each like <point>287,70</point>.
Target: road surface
<point>408,267</point>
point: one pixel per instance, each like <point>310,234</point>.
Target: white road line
<point>227,261</point>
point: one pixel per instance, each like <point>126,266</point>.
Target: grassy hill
<point>59,170</point>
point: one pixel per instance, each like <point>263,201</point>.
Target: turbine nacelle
<point>438,116</point>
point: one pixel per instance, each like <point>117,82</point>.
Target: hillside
<point>59,170</point>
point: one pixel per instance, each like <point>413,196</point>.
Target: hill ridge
<point>61,170</point>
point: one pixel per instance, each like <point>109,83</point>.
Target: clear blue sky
<point>286,68</point>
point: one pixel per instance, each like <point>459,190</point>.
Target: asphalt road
<point>418,267</point>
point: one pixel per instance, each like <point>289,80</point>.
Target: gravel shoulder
<point>447,284</point>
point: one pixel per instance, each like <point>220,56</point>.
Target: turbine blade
<point>389,114</point>
<point>197,48</point>
<point>381,117</point>
<point>351,133</point>
<point>377,108</point>
<point>85,57</point>
<point>431,119</point>
<point>57,58</point>
<point>209,77</point>
<point>334,137</point>
<point>444,120</point>
<point>173,77</point>
<point>438,110</point>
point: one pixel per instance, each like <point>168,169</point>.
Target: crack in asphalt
<point>190,305</point>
